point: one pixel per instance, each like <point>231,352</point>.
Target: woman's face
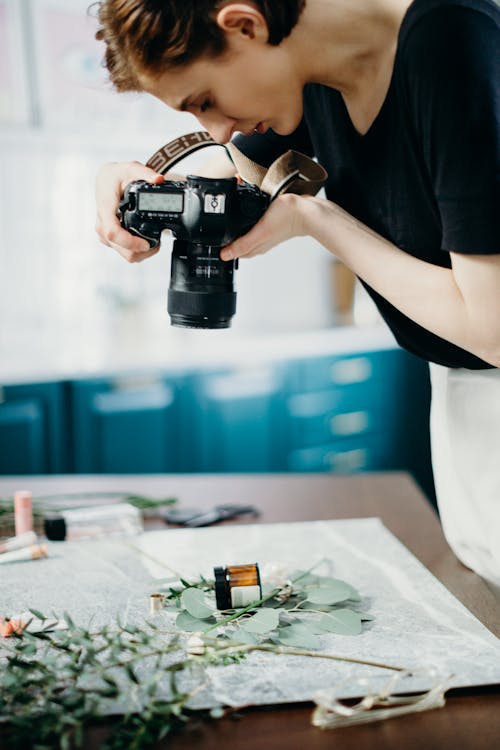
<point>252,86</point>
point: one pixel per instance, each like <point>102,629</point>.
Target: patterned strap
<point>292,172</point>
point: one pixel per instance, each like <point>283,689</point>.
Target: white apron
<point>465,441</point>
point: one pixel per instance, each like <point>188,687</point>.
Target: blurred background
<point>89,333</point>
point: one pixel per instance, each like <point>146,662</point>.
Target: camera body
<point>204,215</point>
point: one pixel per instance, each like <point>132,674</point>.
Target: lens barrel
<point>201,293</point>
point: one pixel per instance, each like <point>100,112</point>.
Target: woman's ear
<point>243,20</point>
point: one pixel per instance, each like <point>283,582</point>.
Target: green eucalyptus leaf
<point>304,578</point>
<point>355,596</point>
<point>332,593</point>
<point>244,636</point>
<point>262,621</point>
<point>68,620</point>
<point>193,600</point>
<point>309,606</point>
<point>185,621</point>
<point>298,635</point>
<point>342,622</point>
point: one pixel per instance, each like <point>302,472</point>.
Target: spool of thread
<point>156,603</point>
<point>23,511</point>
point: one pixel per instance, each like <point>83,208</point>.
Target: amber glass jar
<point>237,586</point>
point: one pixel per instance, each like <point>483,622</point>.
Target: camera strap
<point>292,172</point>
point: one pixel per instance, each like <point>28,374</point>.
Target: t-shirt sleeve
<point>264,148</point>
<point>452,59</point>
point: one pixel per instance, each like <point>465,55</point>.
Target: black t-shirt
<point>426,174</point>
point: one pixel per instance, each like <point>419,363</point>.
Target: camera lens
<point>201,293</point>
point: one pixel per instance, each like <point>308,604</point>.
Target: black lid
<point>222,598</point>
<point>55,528</point>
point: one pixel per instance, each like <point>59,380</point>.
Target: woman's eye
<point>204,105</point>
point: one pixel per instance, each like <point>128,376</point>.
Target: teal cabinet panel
<point>354,371</point>
<point>239,421</point>
<point>33,429</point>
<point>362,411</point>
<point>344,457</point>
<point>127,425</point>
<point>318,418</point>
<point>22,445</point>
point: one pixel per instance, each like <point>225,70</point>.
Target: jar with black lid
<point>237,586</point>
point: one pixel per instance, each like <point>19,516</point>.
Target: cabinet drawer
<point>341,371</point>
<point>346,456</point>
<point>318,418</point>
<point>323,428</point>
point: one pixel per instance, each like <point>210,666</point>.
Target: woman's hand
<point>112,179</point>
<point>282,221</point>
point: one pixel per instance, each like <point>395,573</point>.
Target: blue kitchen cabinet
<point>361,411</point>
<point>128,424</point>
<point>239,420</point>
<point>34,436</point>
<point>338,412</point>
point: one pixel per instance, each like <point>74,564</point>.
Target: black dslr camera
<point>204,215</point>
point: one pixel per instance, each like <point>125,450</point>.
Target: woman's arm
<point>461,304</point>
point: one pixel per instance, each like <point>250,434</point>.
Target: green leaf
<point>342,622</point>
<point>332,593</point>
<point>310,607</point>
<point>243,636</point>
<point>299,635</point>
<point>131,674</point>
<point>303,578</point>
<point>132,629</point>
<point>37,614</point>
<point>355,596</point>
<point>68,620</point>
<point>185,621</point>
<point>262,621</point>
<point>193,600</point>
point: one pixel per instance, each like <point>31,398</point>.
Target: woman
<point>400,101</point>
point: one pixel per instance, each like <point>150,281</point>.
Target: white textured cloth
<point>465,440</point>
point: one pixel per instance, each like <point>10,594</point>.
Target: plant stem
<point>247,648</point>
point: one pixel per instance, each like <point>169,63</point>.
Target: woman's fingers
<point>112,179</point>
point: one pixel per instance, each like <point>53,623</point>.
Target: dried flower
<point>275,575</point>
<point>285,593</point>
<point>10,627</point>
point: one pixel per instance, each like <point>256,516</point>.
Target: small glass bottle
<point>23,511</point>
<point>102,521</point>
<point>237,586</point>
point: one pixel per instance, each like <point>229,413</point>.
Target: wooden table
<point>471,718</point>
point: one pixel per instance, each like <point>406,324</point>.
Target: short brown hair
<point>145,37</point>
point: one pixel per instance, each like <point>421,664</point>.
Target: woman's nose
<point>219,127</point>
